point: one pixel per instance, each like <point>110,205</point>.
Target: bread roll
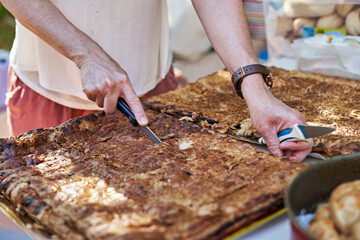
<point>344,9</point>
<point>345,206</point>
<point>355,232</point>
<point>322,211</point>
<point>322,226</point>
<point>284,25</point>
<point>307,8</point>
<point>299,23</point>
<point>324,229</point>
<point>352,22</point>
<point>330,21</point>
<point>345,188</point>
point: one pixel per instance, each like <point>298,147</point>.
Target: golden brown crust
<point>324,229</point>
<point>345,205</point>
<point>322,225</point>
<point>339,218</point>
<point>328,101</point>
<point>98,177</point>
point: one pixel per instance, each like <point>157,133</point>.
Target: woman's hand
<point>269,116</point>
<point>103,81</point>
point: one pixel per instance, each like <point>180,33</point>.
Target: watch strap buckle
<point>242,72</point>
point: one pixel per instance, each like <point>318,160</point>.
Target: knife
<point>123,107</point>
<point>300,132</point>
<point>264,148</point>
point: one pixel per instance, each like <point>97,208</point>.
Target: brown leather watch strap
<point>242,72</point>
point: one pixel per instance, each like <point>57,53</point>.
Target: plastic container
<point>332,56</point>
<point>285,20</point>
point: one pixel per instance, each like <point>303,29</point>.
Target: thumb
<point>273,144</point>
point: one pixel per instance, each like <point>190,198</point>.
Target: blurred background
<point>7,29</point>
<point>7,34</point>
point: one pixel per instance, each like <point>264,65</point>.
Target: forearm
<point>226,26</point>
<point>44,19</point>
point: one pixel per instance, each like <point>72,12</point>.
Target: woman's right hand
<point>105,81</point>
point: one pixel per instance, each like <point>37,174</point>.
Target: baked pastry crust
<point>97,177</point>
<point>327,101</point>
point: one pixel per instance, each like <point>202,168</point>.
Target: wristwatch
<point>242,72</point>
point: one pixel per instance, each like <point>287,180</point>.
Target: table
<point>276,229</point>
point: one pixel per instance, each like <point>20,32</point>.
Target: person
<point>81,55</point>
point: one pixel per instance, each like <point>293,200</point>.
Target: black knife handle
<point>123,107</point>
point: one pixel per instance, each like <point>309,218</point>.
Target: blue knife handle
<point>285,132</point>
<point>279,134</point>
<point>294,134</point>
<point>123,107</point>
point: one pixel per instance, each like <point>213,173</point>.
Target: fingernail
<point>143,121</point>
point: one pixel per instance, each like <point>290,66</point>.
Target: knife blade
<point>125,109</point>
<point>150,134</point>
<point>301,132</point>
<point>245,140</point>
<point>264,148</point>
<point>315,131</point>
